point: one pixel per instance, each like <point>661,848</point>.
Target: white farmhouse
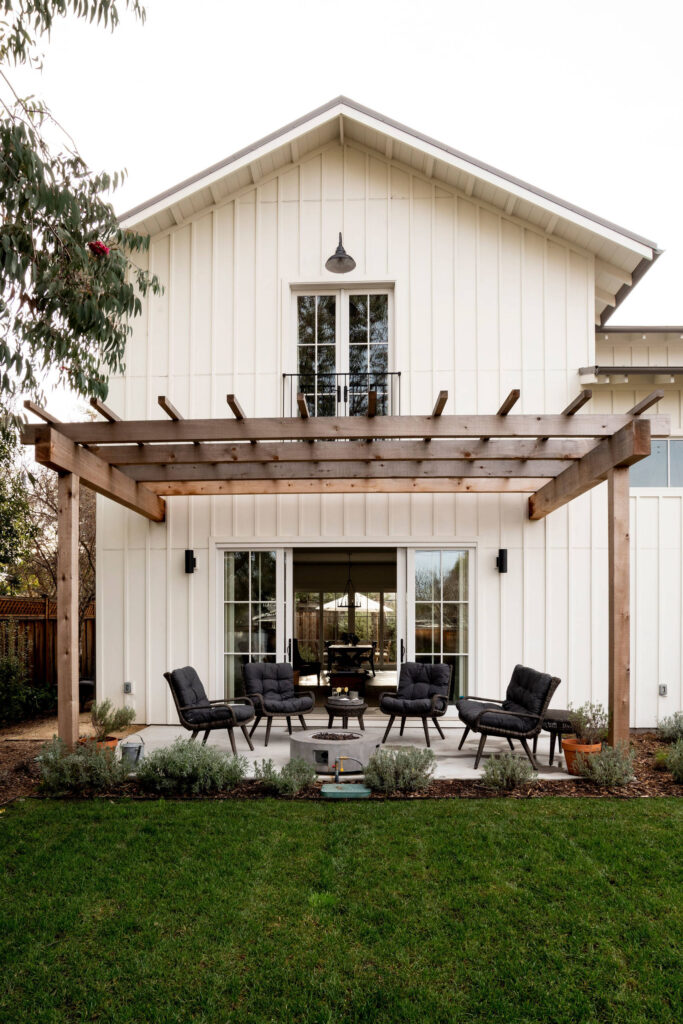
<point>466,281</point>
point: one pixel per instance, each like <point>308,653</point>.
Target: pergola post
<point>619,604</point>
<point>67,608</point>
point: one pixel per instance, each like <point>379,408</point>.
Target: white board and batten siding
<point>482,303</point>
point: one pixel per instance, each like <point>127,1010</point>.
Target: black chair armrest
<point>511,714</point>
<point>487,700</point>
<point>256,700</point>
<point>439,702</point>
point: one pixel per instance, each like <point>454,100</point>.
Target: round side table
<point>345,709</point>
<point>555,722</point>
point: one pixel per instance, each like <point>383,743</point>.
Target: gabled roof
<point>622,256</point>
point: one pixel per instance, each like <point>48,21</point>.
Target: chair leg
<point>289,725</point>
<point>246,736</point>
<point>464,737</point>
<point>194,734</point>
<point>553,734</point>
<point>256,722</point>
<point>480,749</point>
<point>270,722</point>
<point>206,736</point>
<point>330,720</point>
<point>362,723</point>
<point>435,720</point>
<point>522,740</point>
<point>403,725</point>
<point>232,740</point>
<point>426,729</point>
<point>510,743</point>
<point>535,742</point>
<point>391,722</point>
<point>303,721</point>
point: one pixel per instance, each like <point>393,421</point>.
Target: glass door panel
<point>317,352</point>
<point>438,605</point>
<point>368,352</point>
<point>250,620</point>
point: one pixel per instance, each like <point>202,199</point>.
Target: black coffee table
<point>345,708</point>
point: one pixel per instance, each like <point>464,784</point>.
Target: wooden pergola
<point>554,458</point>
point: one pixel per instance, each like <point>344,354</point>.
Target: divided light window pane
<point>249,628</point>
<point>442,611</point>
<point>652,471</point>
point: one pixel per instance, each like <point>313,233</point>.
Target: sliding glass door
<point>254,611</point>
<point>438,610</point>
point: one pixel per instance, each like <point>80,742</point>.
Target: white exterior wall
<point>482,304</point>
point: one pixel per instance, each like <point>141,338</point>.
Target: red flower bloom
<point>98,248</point>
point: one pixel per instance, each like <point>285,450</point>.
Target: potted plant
<point>106,719</point>
<point>589,723</point>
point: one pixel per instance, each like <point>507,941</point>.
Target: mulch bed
<point>19,777</point>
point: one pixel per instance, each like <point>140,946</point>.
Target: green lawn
<point>543,910</point>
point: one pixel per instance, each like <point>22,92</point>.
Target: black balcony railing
<point>342,394</point>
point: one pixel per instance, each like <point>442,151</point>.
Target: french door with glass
<point>342,352</point>
<point>438,592</point>
<point>254,611</point>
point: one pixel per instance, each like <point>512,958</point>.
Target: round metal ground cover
<point>321,750</point>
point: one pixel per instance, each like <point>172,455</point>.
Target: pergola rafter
<point>555,458</point>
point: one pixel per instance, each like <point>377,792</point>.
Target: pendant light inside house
<point>340,262</point>
<point>350,599</point>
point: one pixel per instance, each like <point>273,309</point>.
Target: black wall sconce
<point>502,560</point>
<point>190,560</point>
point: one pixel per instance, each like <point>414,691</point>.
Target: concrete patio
<point>450,762</point>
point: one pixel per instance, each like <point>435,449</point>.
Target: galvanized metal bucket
<point>132,749</point>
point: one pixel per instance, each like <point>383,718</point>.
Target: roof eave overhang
<point>342,107</point>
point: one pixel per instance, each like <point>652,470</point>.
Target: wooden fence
<point>35,621</point>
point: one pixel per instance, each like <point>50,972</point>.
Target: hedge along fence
<point>33,621</point>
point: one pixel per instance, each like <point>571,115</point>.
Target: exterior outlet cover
<point>127,687</point>
<point>663,690</point>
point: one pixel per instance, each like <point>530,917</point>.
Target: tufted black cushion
<point>527,689</point>
<point>275,683</point>
<point>269,679</point>
<point>187,688</point>
<point>417,684</point>
<point>469,711</point>
<point>218,713</point>
<point>289,705</point>
<point>399,706</point>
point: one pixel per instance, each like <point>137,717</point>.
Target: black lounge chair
<point>196,712</point>
<point>518,717</point>
<point>303,667</point>
<point>271,689</point>
<point>422,693</point>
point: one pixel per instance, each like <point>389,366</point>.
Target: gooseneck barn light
<point>340,262</point>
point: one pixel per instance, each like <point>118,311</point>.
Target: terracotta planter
<point>108,741</point>
<point>572,747</point>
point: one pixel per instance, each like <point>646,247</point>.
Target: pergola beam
<point>235,407</point>
<point>619,601</point>
<point>59,453</point>
<point>411,485</point>
<point>38,410</point>
<point>372,470</point>
<point>320,451</point>
<point>169,408</point>
<point>628,445</point>
<point>646,403</point>
<point>104,410</point>
<point>349,427</point>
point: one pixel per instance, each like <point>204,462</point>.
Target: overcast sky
<point>584,99</point>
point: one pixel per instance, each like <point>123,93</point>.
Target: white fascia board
<point>250,157</point>
<point>490,177</point>
<point>397,134</point>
